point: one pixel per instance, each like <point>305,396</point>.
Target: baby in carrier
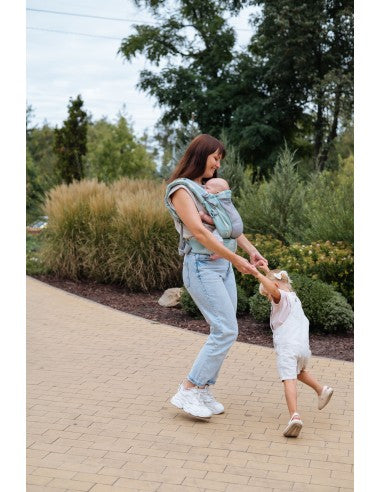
<point>214,204</point>
<point>216,186</point>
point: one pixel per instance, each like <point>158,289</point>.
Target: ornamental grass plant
<point>119,233</point>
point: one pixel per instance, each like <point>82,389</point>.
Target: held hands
<point>244,266</point>
<point>258,260</point>
<point>263,266</point>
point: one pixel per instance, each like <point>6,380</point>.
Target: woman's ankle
<point>188,384</point>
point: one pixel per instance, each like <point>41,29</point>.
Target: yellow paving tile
<point>99,383</point>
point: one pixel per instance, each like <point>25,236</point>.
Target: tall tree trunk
<point>333,130</point>
<point>319,123</point>
<point>319,130</point>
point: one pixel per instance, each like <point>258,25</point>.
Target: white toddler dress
<point>290,328</point>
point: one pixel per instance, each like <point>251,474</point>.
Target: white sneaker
<point>190,401</point>
<point>294,426</point>
<point>210,402</point>
<point>324,397</point>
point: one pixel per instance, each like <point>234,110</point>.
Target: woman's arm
<point>247,246</point>
<point>187,211</point>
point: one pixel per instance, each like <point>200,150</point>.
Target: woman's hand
<point>257,259</point>
<point>244,266</point>
<point>263,266</point>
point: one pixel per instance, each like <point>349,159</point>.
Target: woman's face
<point>213,162</point>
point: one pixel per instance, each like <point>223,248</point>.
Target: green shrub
<point>232,169</point>
<point>332,263</point>
<point>337,315</point>
<point>259,308</point>
<point>320,301</point>
<point>275,206</point>
<point>189,306</point>
<point>330,211</point>
<point>326,309</point>
<point>242,301</point>
<point>318,208</point>
<point>119,233</point>
<point>34,262</point>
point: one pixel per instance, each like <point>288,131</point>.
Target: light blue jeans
<point>211,283</point>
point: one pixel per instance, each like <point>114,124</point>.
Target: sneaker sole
<point>293,430</point>
<point>179,405</point>
<point>327,401</point>
<point>218,413</point>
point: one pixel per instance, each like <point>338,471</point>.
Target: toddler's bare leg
<point>306,378</point>
<point>291,395</point>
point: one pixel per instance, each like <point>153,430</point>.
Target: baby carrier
<point>213,207</point>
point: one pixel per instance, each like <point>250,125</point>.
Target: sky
<point>62,65</point>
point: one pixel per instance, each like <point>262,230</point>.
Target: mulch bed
<point>146,305</point>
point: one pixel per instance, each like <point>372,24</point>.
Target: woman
<point>211,283</point>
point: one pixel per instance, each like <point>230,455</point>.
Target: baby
<point>290,329</point>
<point>215,186</point>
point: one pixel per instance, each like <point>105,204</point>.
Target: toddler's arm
<point>206,218</point>
<point>270,287</point>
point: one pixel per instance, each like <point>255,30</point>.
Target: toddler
<point>215,186</point>
<point>290,329</point>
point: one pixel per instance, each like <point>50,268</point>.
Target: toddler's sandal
<point>294,426</point>
<point>325,396</point>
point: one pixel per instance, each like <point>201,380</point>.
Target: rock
<point>171,297</point>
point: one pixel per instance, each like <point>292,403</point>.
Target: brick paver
<point>99,418</point>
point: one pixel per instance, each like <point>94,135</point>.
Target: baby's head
<point>215,185</point>
<point>280,279</point>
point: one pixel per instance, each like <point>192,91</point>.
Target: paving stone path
<point>99,418</point>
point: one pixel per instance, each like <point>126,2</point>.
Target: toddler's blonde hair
<point>274,275</point>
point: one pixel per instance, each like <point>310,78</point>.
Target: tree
<point>276,206</point>
<point>114,151</point>
<point>40,145</point>
<point>293,83</point>
<point>34,189</point>
<point>306,53</point>
<point>232,168</point>
<point>197,43</point>
<point>29,118</point>
<point>71,142</point>
<point>174,141</point>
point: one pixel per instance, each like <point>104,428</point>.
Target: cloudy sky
<point>62,64</point>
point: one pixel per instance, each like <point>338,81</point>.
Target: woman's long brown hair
<point>192,164</point>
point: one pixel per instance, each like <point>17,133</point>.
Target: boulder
<point>171,297</point>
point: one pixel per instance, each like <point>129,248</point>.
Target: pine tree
<point>71,142</point>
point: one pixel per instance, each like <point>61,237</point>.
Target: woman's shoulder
<point>178,187</point>
<point>191,187</point>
